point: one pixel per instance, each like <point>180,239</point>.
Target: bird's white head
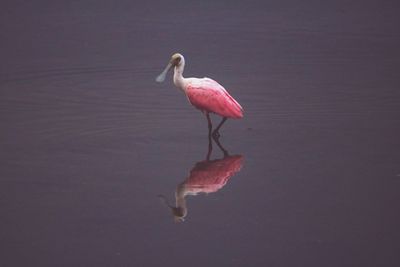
<point>177,60</point>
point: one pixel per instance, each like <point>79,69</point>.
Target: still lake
<point>92,148</point>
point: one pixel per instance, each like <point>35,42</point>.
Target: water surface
<point>89,140</point>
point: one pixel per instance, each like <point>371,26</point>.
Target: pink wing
<point>210,176</point>
<point>208,95</point>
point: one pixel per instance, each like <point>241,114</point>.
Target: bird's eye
<point>178,59</point>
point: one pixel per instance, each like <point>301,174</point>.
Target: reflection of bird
<point>205,94</point>
<point>206,176</point>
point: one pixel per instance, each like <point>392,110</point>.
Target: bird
<point>204,94</point>
<point>207,176</point>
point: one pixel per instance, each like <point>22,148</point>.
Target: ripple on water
<point>322,106</point>
<point>71,103</point>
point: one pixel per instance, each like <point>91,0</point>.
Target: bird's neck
<point>179,81</point>
<point>180,201</point>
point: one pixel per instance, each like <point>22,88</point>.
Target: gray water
<point>89,142</point>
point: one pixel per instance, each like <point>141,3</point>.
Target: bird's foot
<point>216,135</point>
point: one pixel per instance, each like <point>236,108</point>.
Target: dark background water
<point>88,139</point>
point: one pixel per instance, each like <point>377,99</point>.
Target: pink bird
<point>205,94</point>
<point>207,176</point>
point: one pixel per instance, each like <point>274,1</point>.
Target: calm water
<point>93,150</point>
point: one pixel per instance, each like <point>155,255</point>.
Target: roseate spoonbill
<point>207,176</point>
<point>204,93</point>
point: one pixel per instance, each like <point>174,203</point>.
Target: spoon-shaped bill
<point>160,78</point>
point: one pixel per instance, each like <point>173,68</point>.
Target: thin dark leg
<point>209,124</point>
<point>215,133</point>
<point>209,136</point>
<point>209,148</point>
<point>226,154</point>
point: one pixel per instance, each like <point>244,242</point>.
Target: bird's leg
<point>209,148</point>
<point>226,154</point>
<point>209,124</point>
<point>209,136</point>
<point>215,133</point>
